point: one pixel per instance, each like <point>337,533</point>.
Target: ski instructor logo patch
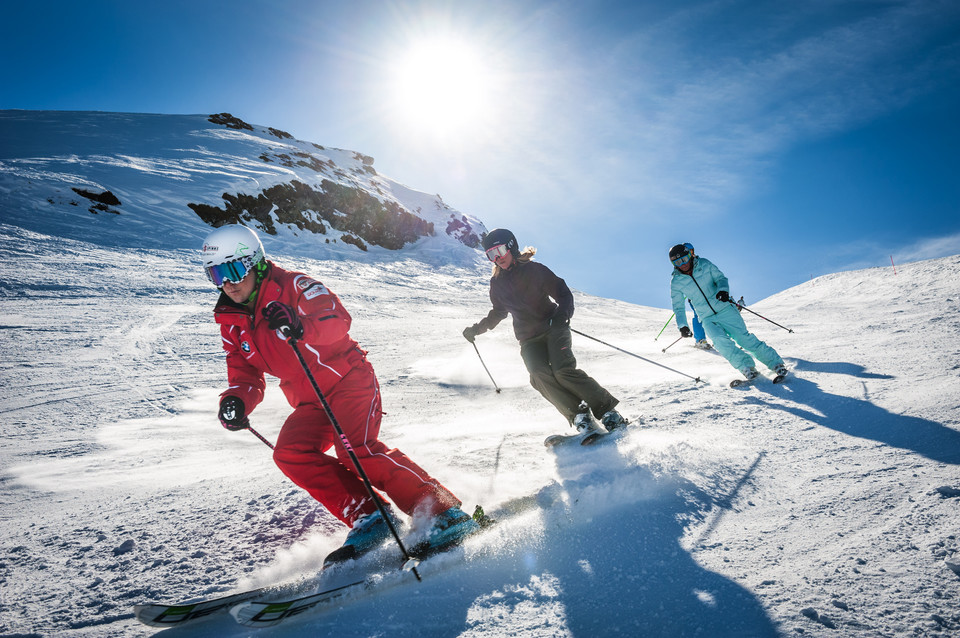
<point>311,288</point>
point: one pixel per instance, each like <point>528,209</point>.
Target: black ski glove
<point>685,332</point>
<point>559,319</point>
<point>232,414</point>
<point>723,295</point>
<point>470,333</point>
<point>282,317</point>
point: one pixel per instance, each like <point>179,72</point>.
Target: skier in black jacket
<point>541,306</point>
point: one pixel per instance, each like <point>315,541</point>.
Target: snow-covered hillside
<point>827,506</point>
<point>142,180</point>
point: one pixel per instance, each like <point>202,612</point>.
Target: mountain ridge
<point>132,178</point>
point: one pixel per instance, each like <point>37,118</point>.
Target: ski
<point>736,383</point>
<point>555,440</point>
<point>160,615</point>
<point>267,613</point>
<point>592,437</point>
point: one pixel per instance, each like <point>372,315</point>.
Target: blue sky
<point>783,139</point>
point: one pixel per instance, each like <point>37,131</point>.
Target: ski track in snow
<point>825,506</point>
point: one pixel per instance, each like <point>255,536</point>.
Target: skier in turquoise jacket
<point>700,281</point>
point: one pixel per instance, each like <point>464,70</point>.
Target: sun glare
<point>443,87</point>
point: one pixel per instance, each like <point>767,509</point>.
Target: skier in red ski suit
<point>259,303</point>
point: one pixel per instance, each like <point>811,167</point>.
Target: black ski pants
<point>554,374</point>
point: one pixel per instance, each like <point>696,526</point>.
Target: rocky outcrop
<point>230,121</point>
<point>350,199</point>
<point>101,201</point>
<point>350,210</point>
<point>462,231</point>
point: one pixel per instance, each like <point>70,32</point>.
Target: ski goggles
<point>497,251</point>
<point>232,271</point>
<point>682,260</point>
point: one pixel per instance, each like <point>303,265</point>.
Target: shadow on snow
<point>861,418</point>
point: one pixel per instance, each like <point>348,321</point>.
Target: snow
<point>825,506</point>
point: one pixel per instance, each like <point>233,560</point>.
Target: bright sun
<point>443,87</point>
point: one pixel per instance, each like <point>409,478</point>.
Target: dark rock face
<point>230,121</point>
<point>461,229</point>
<point>350,210</point>
<point>106,197</point>
<point>101,201</point>
<point>339,202</point>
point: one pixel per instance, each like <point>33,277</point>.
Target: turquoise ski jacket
<point>700,287</point>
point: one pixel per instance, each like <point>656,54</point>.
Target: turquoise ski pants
<point>727,330</point>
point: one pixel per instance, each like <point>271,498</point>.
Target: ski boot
<point>589,429</point>
<point>447,529</point>
<point>613,421</point>
<point>780,373</point>
<point>368,532</point>
<point>750,374</point>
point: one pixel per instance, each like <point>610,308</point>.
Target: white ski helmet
<point>230,252</point>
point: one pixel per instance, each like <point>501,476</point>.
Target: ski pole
<point>353,457</point>
<point>744,307</point>
<point>696,379</point>
<point>485,366</point>
<point>260,436</point>
<point>672,315</point>
<point>672,344</point>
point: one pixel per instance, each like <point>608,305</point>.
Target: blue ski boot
<point>448,529</point>
<point>368,532</point>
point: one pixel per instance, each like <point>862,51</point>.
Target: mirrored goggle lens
<point>233,271</point>
<point>497,251</point>
<point>681,260</point>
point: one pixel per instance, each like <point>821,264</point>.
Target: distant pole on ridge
<point>893,264</point>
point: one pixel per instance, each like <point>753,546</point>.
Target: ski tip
<point>553,440</point>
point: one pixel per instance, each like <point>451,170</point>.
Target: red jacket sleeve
<point>246,382</point>
<point>325,320</point>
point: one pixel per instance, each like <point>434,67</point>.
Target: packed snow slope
<point>825,506</point>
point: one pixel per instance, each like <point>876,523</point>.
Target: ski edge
<point>254,613</point>
<point>163,615</point>
<point>562,440</point>
<point>736,383</point>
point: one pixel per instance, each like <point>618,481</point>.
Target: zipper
<point>701,291</point>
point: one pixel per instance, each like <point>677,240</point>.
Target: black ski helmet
<point>680,250</point>
<point>501,237</point>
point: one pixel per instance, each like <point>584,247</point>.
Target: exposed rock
<point>106,197</point>
<point>348,209</point>
<point>283,135</point>
<point>461,229</point>
<point>229,121</point>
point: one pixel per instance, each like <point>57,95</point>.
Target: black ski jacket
<point>532,294</point>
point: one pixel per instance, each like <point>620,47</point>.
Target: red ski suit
<point>349,385</point>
